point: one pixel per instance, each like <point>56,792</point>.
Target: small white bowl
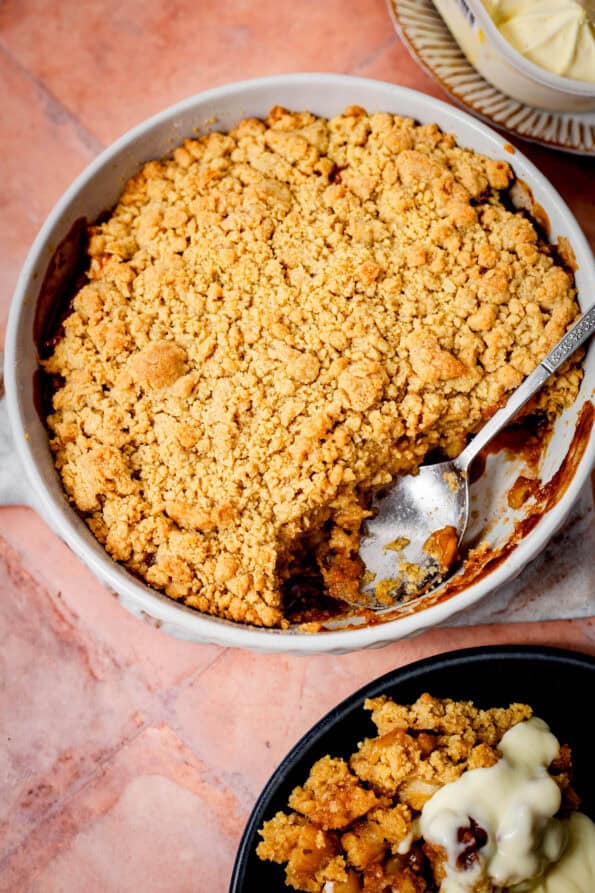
<point>507,69</point>
<point>28,476</point>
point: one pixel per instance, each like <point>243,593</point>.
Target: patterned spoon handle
<point>564,349</point>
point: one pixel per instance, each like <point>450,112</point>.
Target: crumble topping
<point>277,321</point>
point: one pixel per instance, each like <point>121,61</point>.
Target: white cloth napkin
<point>557,585</point>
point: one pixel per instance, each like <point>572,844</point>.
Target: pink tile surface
<point>129,760</point>
<point>42,149</point>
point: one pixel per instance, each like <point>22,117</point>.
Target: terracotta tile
<point>71,695</point>
<point>61,710</point>
<point>76,711</point>
<point>42,150</point>
<point>154,819</point>
<point>155,658</point>
<point>392,62</point>
<point>113,64</point>
<point>260,705</point>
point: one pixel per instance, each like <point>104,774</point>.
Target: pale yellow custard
<point>575,871</point>
<point>515,802</point>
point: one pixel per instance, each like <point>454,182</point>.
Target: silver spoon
<point>412,541</point>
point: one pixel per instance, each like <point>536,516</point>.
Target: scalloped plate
<point>426,36</point>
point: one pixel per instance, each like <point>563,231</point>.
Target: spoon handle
<point>564,349</point>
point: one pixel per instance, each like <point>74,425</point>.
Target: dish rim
<point>474,655</point>
<point>187,622</point>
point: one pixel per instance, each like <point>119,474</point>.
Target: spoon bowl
<point>411,542</point>
<point>414,536</point>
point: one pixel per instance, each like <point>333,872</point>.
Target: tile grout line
<point>53,104</point>
<point>152,720</point>
<point>73,791</point>
<point>76,789</point>
<point>169,695</point>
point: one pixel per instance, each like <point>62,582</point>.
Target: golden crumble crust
<point>444,716</point>
<point>382,830</point>
<point>429,744</point>
<point>332,796</point>
<point>310,852</point>
<point>277,321</point>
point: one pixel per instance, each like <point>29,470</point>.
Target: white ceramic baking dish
<point>27,474</point>
<point>507,69</point>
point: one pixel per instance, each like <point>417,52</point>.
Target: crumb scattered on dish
<point>398,544</point>
<point>451,479</point>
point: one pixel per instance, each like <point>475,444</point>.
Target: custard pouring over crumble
<point>367,823</point>
<point>277,321</point>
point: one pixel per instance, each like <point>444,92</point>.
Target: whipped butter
<point>498,823</point>
<point>557,35</point>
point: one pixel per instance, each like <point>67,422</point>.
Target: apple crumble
<point>275,322</point>
<point>446,797</point>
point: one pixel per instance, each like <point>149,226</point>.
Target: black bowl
<point>558,684</point>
